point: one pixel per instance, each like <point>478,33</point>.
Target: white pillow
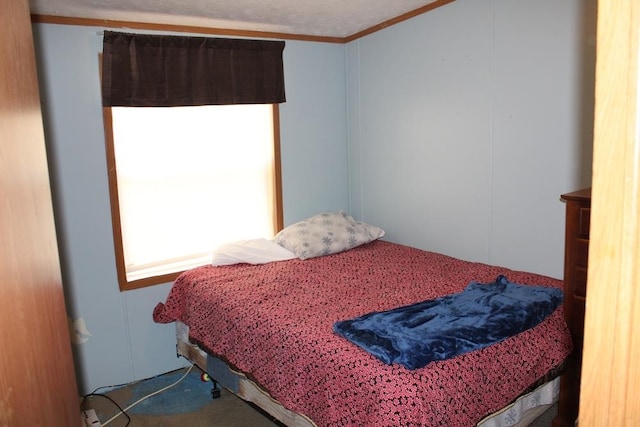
<point>326,233</point>
<point>253,251</point>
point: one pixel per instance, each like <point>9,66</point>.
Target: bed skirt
<point>522,412</point>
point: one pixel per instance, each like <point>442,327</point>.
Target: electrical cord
<point>115,386</point>
<point>108,398</point>
<point>123,411</point>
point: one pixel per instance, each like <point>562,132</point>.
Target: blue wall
<point>125,344</point>
<point>467,123</point>
<point>455,131</point>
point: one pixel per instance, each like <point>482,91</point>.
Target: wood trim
<point>113,198</point>
<point>150,281</point>
<point>277,160</point>
<point>129,25</point>
<point>611,370</point>
<point>397,19</point>
<point>93,22</point>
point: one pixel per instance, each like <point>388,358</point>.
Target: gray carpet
<point>189,404</point>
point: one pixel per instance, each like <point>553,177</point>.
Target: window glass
<point>189,179</point>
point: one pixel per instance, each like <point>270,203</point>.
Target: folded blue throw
<point>481,315</point>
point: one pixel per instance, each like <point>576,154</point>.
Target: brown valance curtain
<point>140,70</point>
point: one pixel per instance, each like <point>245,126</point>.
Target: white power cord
<point>148,396</point>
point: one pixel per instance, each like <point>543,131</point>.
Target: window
<point>192,139</point>
<point>186,179</point>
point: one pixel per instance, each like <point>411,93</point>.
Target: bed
<point>266,331</point>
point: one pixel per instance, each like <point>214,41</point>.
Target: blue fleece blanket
<point>481,315</point>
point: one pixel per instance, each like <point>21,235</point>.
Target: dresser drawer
<point>576,324</point>
<point>575,367</point>
<point>580,282</point>
<point>583,223</point>
<point>581,253</point>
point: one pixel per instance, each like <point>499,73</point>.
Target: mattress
<point>273,323</point>
<point>522,412</point>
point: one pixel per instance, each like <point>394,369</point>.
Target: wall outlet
<point>90,418</point>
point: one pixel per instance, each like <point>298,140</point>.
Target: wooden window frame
<point>123,282</point>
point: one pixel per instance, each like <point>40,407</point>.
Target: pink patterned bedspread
<point>274,323</point>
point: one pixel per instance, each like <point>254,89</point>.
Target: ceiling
<point>327,18</point>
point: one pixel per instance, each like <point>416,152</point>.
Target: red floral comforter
<point>274,323</point>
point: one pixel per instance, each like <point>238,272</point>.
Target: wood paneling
<point>37,380</point>
<point>610,369</point>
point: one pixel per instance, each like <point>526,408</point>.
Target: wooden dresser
<point>578,212</point>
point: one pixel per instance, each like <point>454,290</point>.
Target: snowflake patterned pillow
<point>326,233</point>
